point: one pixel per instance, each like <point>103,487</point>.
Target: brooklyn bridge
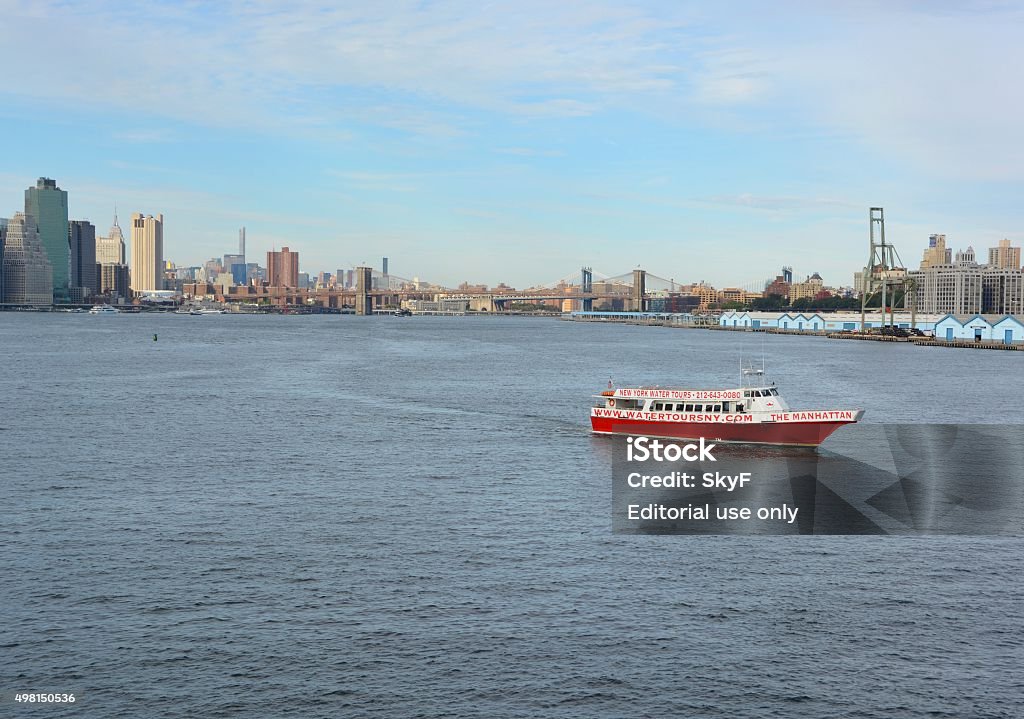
<point>374,292</point>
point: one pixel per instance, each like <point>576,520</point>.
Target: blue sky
<point>518,141</point>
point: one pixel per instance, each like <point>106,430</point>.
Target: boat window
<point>717,408</point>
<point>688,408</point>
<point>746,393</point>
<point>775,392</point>
<point>656,407</point>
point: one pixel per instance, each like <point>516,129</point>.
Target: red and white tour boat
<point>752,414</point>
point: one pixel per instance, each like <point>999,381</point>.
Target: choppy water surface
<point>340,516</point>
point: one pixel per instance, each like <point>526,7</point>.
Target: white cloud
<point>264,63</point>
<point>928,86</point>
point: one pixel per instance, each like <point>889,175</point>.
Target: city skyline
<point>493,144</point>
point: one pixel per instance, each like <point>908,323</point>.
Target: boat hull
<point>784,434</point>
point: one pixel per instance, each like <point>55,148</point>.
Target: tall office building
<point>283,268</point>
<point>3,236</point>
<point>1004,257</point>
<point>48,205</point>
<point>936,254</point>
<point>241,244</point>
<point>147,265</point>
<point>234,265</point>
<point>114,281</point>
<point>82,244</point>
<point>27,274</point>
<point>110,249</point>
<point>968,288</point>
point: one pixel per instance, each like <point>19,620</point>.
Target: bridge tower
<point>639,289</point>
<point>364,301</point>
<point>587,287</point>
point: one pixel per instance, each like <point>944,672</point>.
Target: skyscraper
<point>1004,257</point>
<point>82,244</point>
<point>48,205</point>
<point>27,275</point>
<point>3,236</point>
<point>936,254</point>
<point>283,268</point>
<point>110,249</point>
<point>147,266</point>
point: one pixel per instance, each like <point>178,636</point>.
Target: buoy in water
<point>154,337</point>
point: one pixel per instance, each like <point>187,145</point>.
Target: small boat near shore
<point>754,413</point>
<point>197,311</point>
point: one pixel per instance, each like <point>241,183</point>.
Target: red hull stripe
<point>805,434</point>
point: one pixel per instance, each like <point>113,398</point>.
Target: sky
<point>518,141</point>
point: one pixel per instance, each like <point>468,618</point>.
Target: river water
<point>334,516</point>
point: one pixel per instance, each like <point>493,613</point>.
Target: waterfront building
<point>823,321</point>
<point>82,246</point>
<point>969,289</point>
<point>936,254</point>
<point>3,235</point>
<point>948,289</point>
<point>47,204</point>
<point>980,328</point>
<point>283,268</point>
<point>1004,257</point>
<point>27,274</point>
<point>114,282</point>
<point>147,263</point>
<point>1002,291</point>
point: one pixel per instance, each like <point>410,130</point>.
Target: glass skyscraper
<point>47,204</point>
